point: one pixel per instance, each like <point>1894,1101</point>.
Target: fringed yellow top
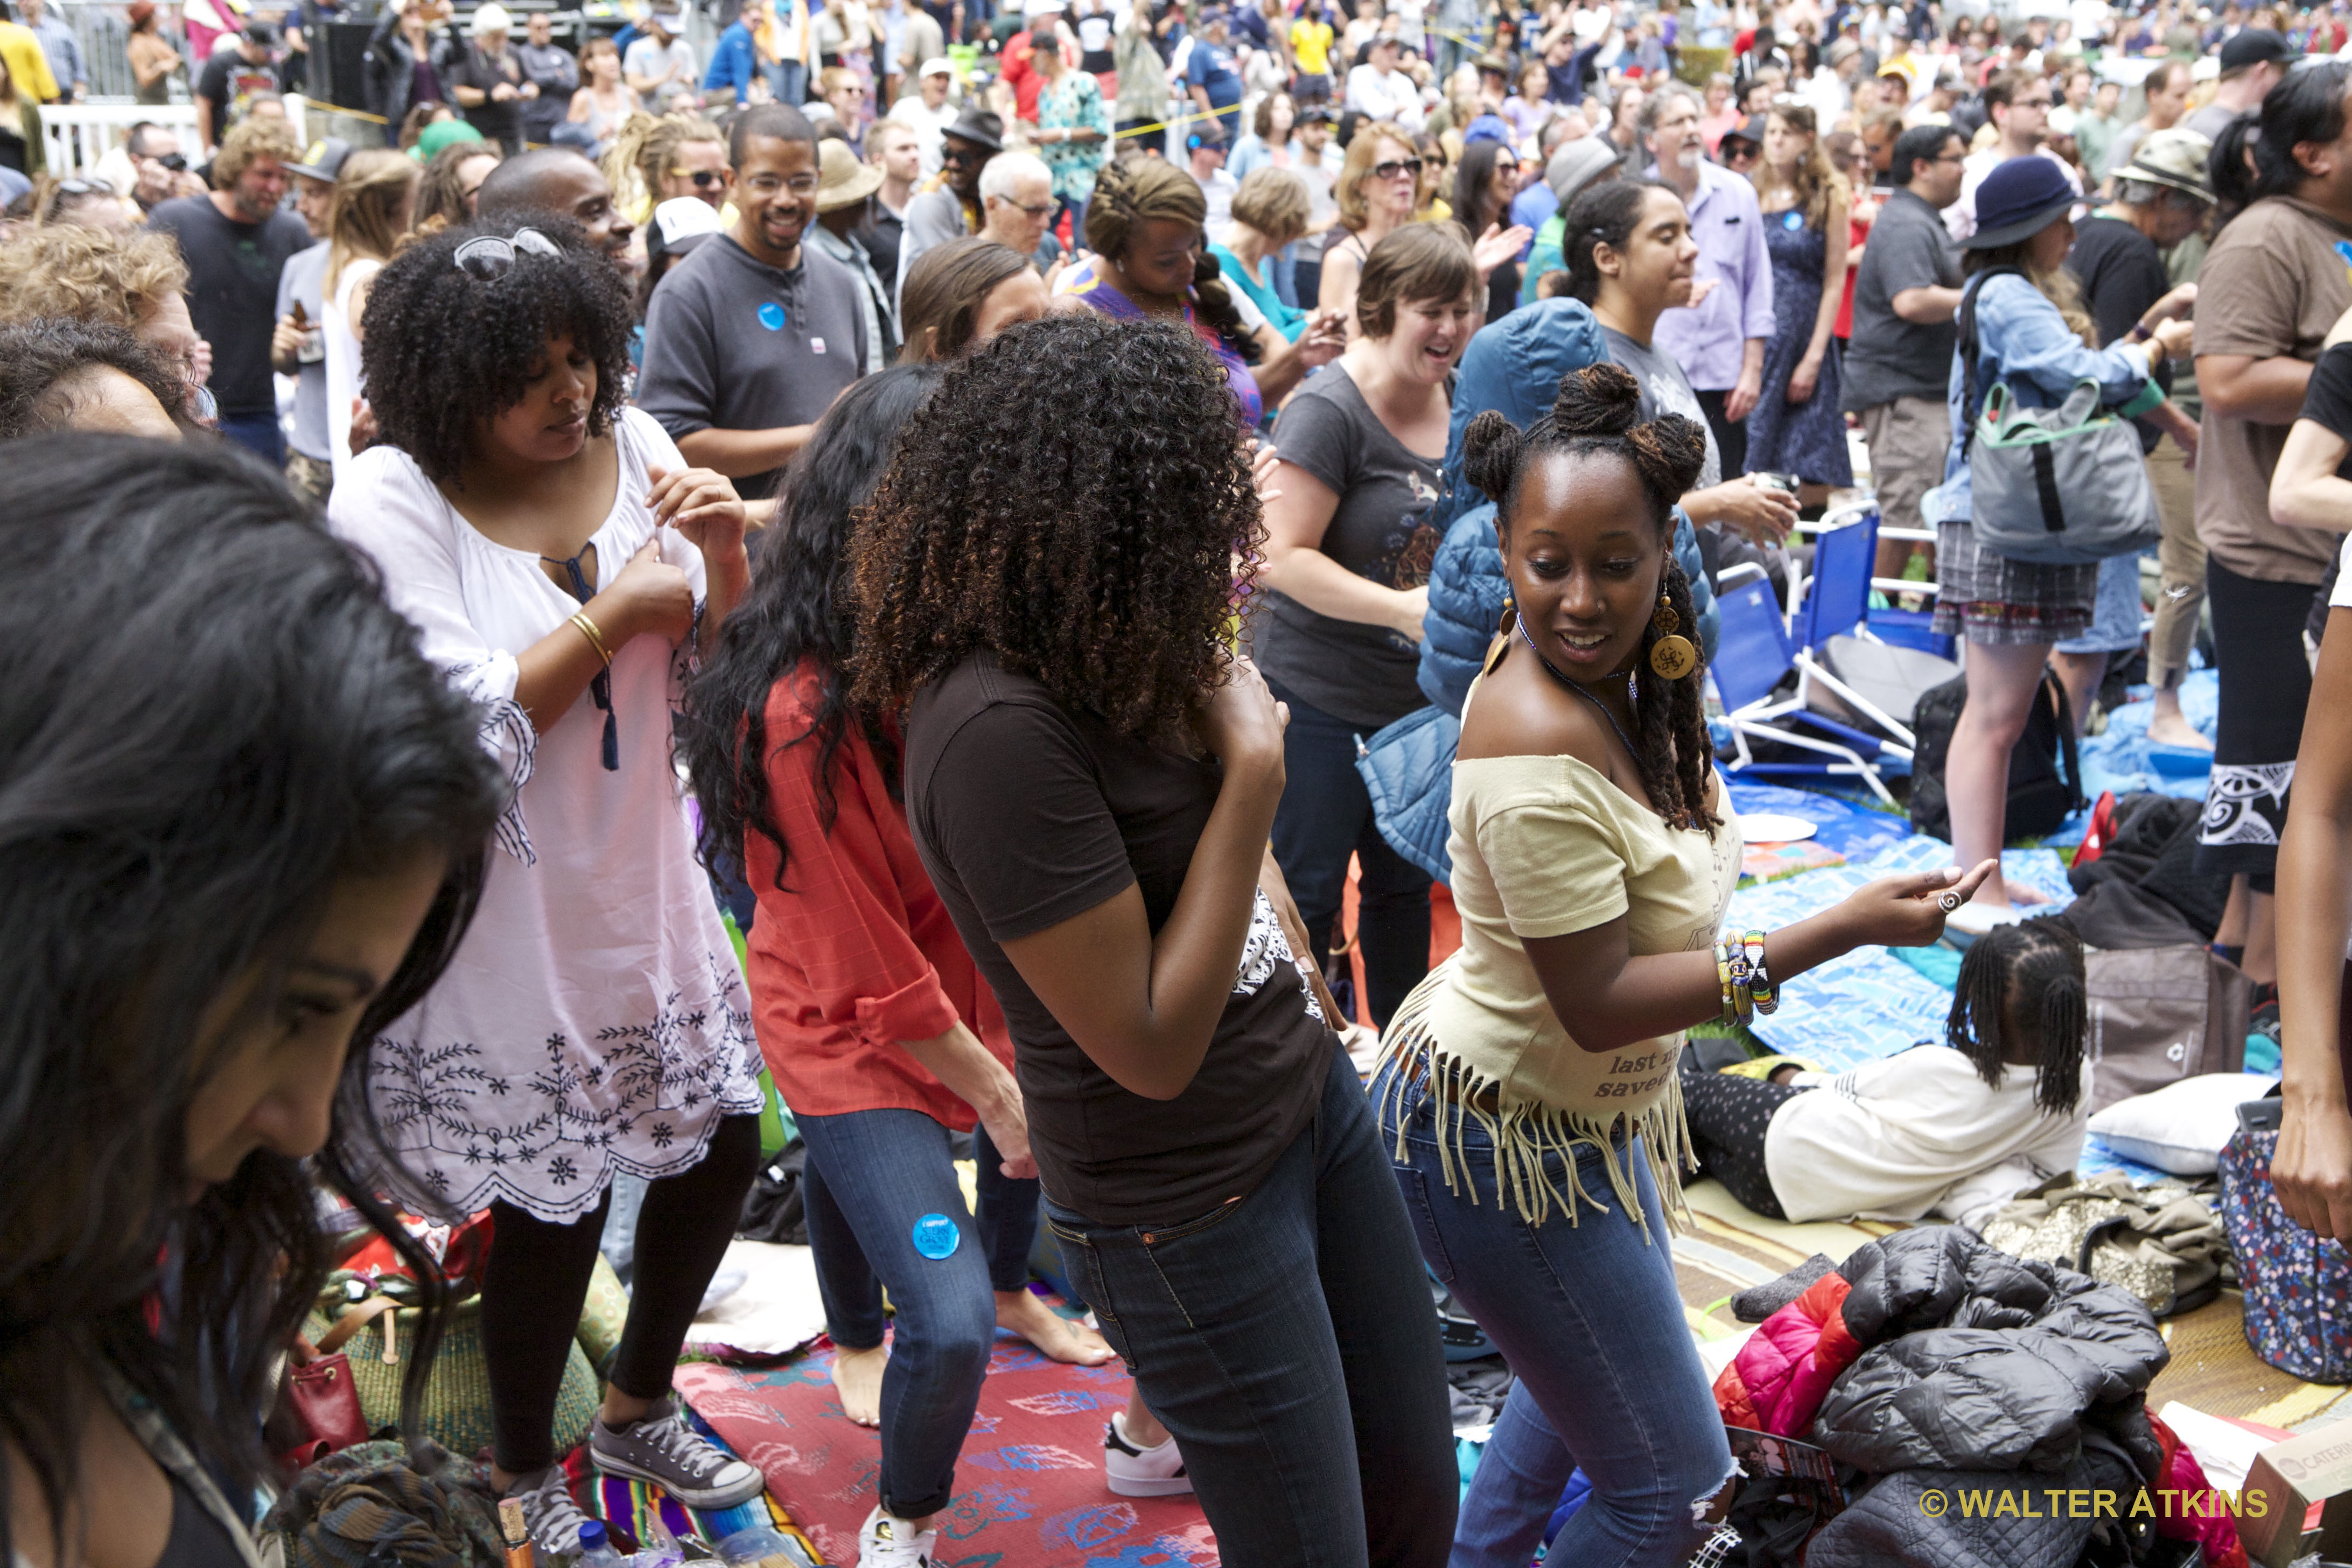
<point>1546,847</point>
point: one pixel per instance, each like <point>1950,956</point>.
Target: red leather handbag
<point>321,1390</point>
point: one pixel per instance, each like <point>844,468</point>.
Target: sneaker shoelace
<point>681,1445</point>
<point>551,1516</point>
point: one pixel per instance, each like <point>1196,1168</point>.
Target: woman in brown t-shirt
<point>1090,777</point>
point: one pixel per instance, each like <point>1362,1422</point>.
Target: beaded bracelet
<point>1760,985</point>
<point>1742,997</point>
<point>1723,978</point>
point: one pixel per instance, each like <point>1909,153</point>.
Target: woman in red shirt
<point>882,1036</point>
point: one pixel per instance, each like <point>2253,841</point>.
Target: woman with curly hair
<point>563,564</point>
<point>882,1036</point>
<point>135,281</point>
<point>1090,776</point>
<point>1150,258</point>
<point>1594,853</point>
<point>1349,549</point>
<point>1796,426</point>
<point>655,159</point>
<point>217,897</point>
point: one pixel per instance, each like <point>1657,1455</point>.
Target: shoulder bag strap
<point>358,1317</point>
<point>1969,404</point>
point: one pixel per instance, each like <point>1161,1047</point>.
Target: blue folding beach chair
<point>1761,643</point>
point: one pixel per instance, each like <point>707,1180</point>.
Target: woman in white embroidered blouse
<point>562,562</point>
<point>1531,1078</point>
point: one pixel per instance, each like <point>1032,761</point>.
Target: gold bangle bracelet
<point>595,638</point>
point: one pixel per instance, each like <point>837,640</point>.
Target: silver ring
<point>1950,902</point>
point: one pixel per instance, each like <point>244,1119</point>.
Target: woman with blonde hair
<point>657,159</point>
<point>1796,426</point>
<point>1270,211</point>
<point>373,191</point>
<point>960,294</point>
<point>1379,192</point>
<point>135,281</point>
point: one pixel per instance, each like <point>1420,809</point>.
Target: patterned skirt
<point>1989,599</point>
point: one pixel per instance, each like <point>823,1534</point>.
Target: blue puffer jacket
<point>1515,366</point>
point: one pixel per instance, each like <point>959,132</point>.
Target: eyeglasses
<point>1047,210</point>
<point>84,188</point>
<point>488,258</point>
<point>765,185</point>
<point>1393,167</point>
<point>703,178</point>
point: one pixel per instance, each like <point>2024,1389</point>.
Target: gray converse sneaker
<point>549,1512</point>
<point>662,1448</point>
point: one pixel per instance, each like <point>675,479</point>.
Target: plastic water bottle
<point>660,1548</point>
<point>596,1548</point>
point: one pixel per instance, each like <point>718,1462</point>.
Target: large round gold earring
<point>1672,656</point>
<point>1510,618</point>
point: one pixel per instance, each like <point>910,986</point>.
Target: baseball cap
<point>679,225</point>
<point>2176,158</point>
<point>939,66</point>
<point>2252,46</point>
<point>323,159</point>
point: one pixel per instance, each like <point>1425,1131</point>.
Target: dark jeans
<point>1325,813</point>
<point>1287,1340</point>
<point>537,1281</point>
<point>1730,435</point>
<point>260,433</point>
<point>870,1176</point>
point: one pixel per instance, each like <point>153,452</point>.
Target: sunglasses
<point>175,162</point>
<point>488,258</point>
<point>84,188</point>
<point>703,178</point>
<point>1393,167</point>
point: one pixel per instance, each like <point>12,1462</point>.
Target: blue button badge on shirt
<point>771,316</point>
<point>1792,220</point>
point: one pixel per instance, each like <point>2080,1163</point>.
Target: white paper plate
<point>1768,828</point>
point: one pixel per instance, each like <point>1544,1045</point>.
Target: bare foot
<point>857,1376</point>
<point>1019,1312</point>
<point>2025,897</point>
<point>2172,730</point>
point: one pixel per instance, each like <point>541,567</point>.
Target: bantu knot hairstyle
<point>1597,413</point>
<point>2025,979</point>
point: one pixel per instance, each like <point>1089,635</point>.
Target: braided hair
<point>2030,974</point>
<point>1597,413</point>
<point>1136,190</point>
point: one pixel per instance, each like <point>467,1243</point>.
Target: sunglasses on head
<point>84,188</point>
<point>488,258</point>
<point>1393,167</point>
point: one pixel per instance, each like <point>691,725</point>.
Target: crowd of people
<point>1008,495</point>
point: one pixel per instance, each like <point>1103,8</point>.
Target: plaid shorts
<point>1990,599</point>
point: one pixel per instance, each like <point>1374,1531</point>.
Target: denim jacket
<point>2022,340</point>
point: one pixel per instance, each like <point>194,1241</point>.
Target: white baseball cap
<point>938,65</point>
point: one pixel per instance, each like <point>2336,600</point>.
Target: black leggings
<point>2265,686</point>
<point>1727,1116</point>
<point>537,1281</point>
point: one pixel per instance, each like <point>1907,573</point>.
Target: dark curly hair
<point>798,609</point>
<point>39,358</point>
<point>447,352</point>
<point>2030,975</point>
<point>1596,415</point>
<point>1095,555</point>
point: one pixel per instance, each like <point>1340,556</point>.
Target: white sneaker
<point>884,1541</point>
<point>1130,1471</point>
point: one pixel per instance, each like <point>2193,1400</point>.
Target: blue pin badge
<point>1792,220</point>
<point>771,316</point>
<point>936,1236</point>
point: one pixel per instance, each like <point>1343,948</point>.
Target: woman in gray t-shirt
<point>1337,629</point>
<point>1630,258</point>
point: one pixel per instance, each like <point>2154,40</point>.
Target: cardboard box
<point>2292,1481</point>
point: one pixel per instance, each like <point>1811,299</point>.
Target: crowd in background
<point>909,379</point>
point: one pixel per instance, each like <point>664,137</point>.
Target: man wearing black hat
<point>231,78</point>
<point>949,209</point>
<point>2252,61</point>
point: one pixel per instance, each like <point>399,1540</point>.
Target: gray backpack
<point>2060,487</point>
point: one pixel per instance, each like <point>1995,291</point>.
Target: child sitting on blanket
<point>1955,1129</point>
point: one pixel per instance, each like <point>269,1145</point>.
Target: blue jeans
<point>260,433</point>
<point>1588,1317</point>
<point>870,1175</point>
<point>1287,1338</point>
<point>1326,815</point>
<point>2116,623</point>
<point>788,79</point>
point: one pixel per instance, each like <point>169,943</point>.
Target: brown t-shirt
<point>2273,285</point>
<point>1027,814</point>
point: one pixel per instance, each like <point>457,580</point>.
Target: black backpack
<point>2045,773</point>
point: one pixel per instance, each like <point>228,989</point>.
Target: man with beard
<point>237,241</point>
<point>750,339</point>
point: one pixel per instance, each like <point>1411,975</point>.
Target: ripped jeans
<point>1588,1317</point>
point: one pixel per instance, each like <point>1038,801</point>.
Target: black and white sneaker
<point>660,1448</point>
<point>549,1515</point>
<point>1130,1471</point>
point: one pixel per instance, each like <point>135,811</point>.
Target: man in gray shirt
<point>2253,62</point>
<point>1899,364</point>
<point>750,339</point>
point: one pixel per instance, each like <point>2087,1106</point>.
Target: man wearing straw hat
<point>843,183</point>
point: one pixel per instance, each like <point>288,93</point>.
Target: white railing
<point>76,135</point>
